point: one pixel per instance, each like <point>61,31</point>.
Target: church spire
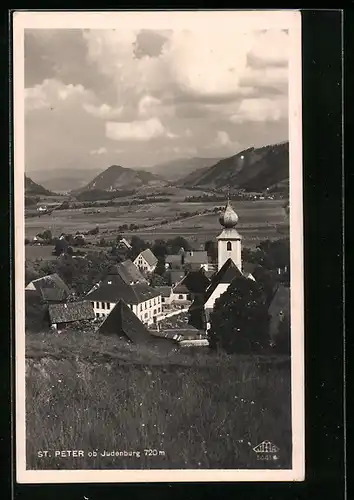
<point>229,217</point>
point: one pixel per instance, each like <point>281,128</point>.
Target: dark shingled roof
<point>71,311</point>
<point>165,291</point>
<point>123,322</point>
<point>193,282</point>
<point>226,274</point>
<point>53,294</point>
<point>50,281</point>
<point>114,288</point>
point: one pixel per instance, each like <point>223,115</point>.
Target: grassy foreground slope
<point>201,410</point>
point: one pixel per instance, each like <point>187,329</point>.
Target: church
<point>229,267</point>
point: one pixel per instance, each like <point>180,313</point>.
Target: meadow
<point>258,220</point>
<point>191,409</point>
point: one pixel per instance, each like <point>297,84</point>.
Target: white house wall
<point>145,311</point>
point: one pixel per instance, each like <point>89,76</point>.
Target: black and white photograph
<point>158,237</point>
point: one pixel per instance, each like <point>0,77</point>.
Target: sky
<point>140,97</point>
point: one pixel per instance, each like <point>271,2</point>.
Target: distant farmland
<point>257,220</point>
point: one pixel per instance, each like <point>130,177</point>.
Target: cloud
<point>200,88</point>
<point>222,139</point>
<point>99,151</point>
<point>137,130</point>
<point>260,110</point>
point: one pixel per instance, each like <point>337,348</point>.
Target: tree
<point>60,247</point>
<point>160,267</point>
<point>159,249</point>
<point>266,279</point>
<point>157,280</point>
<point>138,245</point>
<point>239,321</point>
<point>212,250</point>
<point>176,243</point>
<point>46,235</point>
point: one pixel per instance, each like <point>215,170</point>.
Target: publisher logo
<point>266,447</point>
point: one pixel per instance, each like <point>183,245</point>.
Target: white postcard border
<point>290,20</point>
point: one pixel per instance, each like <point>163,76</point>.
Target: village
<point>169,300</point>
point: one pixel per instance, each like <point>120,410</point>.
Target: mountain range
<point>116,177</point>
<point>65,179</point>
<point>254,169</point>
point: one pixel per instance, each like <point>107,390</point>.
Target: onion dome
<point>229,217</point>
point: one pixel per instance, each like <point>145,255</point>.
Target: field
<point>191,410</point>
<point>258,220</point>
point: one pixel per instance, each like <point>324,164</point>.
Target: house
<point>146,261</point>
<point>50,288</point>
<point>142,299</point>
<point>279,309</point>
<point>123,323</point>
<point>192,260</point>
<point>174,261</point>
<point>42,209</point>
<point>193,283</point>
<point>123,243</point>
<point>37,240</point>
<point>166,295</point>
<point>130,273</point>
<point>61,315</point>
<point>195,260</point>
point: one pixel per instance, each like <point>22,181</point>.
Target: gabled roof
<point>123,322</point>
<point>280,300</point>
<point>71,311</point>
<point>114,288</point>
<point>50,281</point>
<point>150,258</point>
<point>226,274</point>
<point>193,282</point>
<point>124,242</point>
<point>199,257</point>
<point>128,272</point>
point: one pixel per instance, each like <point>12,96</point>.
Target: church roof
<point>226,274</point>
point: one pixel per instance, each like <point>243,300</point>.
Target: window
<point>103,305</point>
<point>180,296</point>
<point>108,305</point>
<point>155,311</point>
<point>163,299</point>
<point>145,305</point>
<point>228,246</point>
<point>97,315</point>
<point>146,315</point>
<point>97,305</point>
<point>93,304</point>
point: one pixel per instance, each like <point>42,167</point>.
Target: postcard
<point>159,329</point>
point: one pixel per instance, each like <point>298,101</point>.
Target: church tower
<point>229,240</point>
